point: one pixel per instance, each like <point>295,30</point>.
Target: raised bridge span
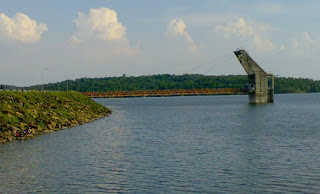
<point>260,87</point>
<point>158,93</point>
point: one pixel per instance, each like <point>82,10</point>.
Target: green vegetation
<point>187,81</point>
<point>296,85</point>
<point>25,114</point>
<point>7,87</point>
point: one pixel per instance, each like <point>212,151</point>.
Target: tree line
<point>186,81</point>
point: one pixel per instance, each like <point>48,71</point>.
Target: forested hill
<point>187,81</point>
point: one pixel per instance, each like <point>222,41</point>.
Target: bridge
<point>160,93</point>
<point>260,87</point>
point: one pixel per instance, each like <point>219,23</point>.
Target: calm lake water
<point>176,144</point>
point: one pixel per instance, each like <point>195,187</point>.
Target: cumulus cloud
<point>20,28</point>
<point>250,30</point>
<point>305,44</point>
<point>306,39</point>
<point>178,28</point>
<point>99,24</point>
<point>101,37</point>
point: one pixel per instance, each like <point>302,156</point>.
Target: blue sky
<point>99,38</point>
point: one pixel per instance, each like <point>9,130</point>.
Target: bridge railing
<point>173,92</point>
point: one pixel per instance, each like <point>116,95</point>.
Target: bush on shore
<point>25,114</point>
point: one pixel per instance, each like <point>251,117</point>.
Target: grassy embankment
<point>25,114</point>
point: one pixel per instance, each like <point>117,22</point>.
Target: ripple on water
<point>202,144</point>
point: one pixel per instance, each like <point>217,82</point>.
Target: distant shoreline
<point>174,82</point>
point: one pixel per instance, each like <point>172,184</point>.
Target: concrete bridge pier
<point>260,84</point>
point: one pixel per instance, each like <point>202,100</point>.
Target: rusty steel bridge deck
<point>158,93</point>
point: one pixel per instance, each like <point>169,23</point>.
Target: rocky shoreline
<point>26,114</point>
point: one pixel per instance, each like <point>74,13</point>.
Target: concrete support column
<point>260,91</point>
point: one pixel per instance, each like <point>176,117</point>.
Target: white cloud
<point>178,28</point>
<point>101,37</point>
<point>307,41</point>
<point>250,30</point>
<point>20,28</point>
<point>99,24</point>
<point>305,45</point>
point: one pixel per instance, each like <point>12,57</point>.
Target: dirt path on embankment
<point>26,114</point>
